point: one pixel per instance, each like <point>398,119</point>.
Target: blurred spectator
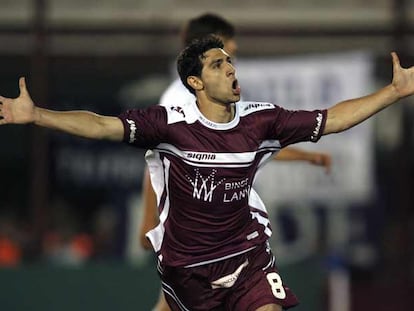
<point>104,228</point>
<point>10,253</point>
<point>66,243</point>
<point>10,246</point>
<point>72,250</point>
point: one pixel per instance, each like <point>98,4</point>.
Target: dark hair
<point>207,24</point>
<point>189,61</point>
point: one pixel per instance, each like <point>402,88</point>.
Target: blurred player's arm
<point>296,154</point>
<point>22,110</point>
<point>150,217</point>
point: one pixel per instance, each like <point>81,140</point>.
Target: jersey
<point>203,172</point>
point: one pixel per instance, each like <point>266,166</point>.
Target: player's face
<point>219,77</point>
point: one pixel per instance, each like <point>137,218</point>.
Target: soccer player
<point>197,28</point>
<point>211,241</point>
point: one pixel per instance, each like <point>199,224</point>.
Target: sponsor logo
<point>132,129</point>
<point>203,187</point>
<point>229,280</point>
<point>201,156</point>
<point>236,184</point>
<point>179,110</point>
<point>258,105</point>
<point>236,190</point>
<point>315,133</point>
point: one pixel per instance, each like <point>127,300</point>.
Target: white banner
<point>309,83</point>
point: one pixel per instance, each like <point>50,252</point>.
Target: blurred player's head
<point>211,24</point>
<point>189,61</point>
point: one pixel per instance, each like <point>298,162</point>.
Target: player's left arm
<point>296,154</point>
<point>349,113</point>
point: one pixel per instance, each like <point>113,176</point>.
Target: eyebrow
<point>216,61</point>
<point>219,61</point>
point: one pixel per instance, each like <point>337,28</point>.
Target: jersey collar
<point>218,126</point>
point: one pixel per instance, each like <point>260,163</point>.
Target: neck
<point>217,112</point>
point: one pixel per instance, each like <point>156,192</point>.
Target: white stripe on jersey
<point>220,259</point>
<point>166,209</point>
<point>219,159</point>
<point>156,235</point>
<point>156,172</point>
<point>256,202</point>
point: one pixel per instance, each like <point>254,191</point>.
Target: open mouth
<point>235,86</point>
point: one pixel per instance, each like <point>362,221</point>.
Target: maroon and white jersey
<point>203,172</point>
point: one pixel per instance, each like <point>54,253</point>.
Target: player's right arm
<point>22,110</point>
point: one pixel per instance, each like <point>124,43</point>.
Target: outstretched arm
<point>346,114</point>
<point>295,154</point>
<point>22,110</point>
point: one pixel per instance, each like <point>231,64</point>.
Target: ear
<point>195,83</point>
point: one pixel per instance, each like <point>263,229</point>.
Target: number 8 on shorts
<point>276,285</point>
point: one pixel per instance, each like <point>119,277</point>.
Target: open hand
<point>18,110</point>
<point>403,78</point>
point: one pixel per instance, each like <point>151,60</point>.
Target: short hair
<point>207,24</point>
<point>189,61</point>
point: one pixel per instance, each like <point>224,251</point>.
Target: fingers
<point>3,110</point>
<point>1,106</point>
<point>22,85</point>
<point>395,60</point>
<point>2,120</point>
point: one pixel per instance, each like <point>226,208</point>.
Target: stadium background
<point>69,207</point>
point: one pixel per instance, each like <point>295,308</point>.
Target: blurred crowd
<point>67,241</point>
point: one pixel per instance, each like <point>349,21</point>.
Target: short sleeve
<point>293,126</point>
<point>145,128</point>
